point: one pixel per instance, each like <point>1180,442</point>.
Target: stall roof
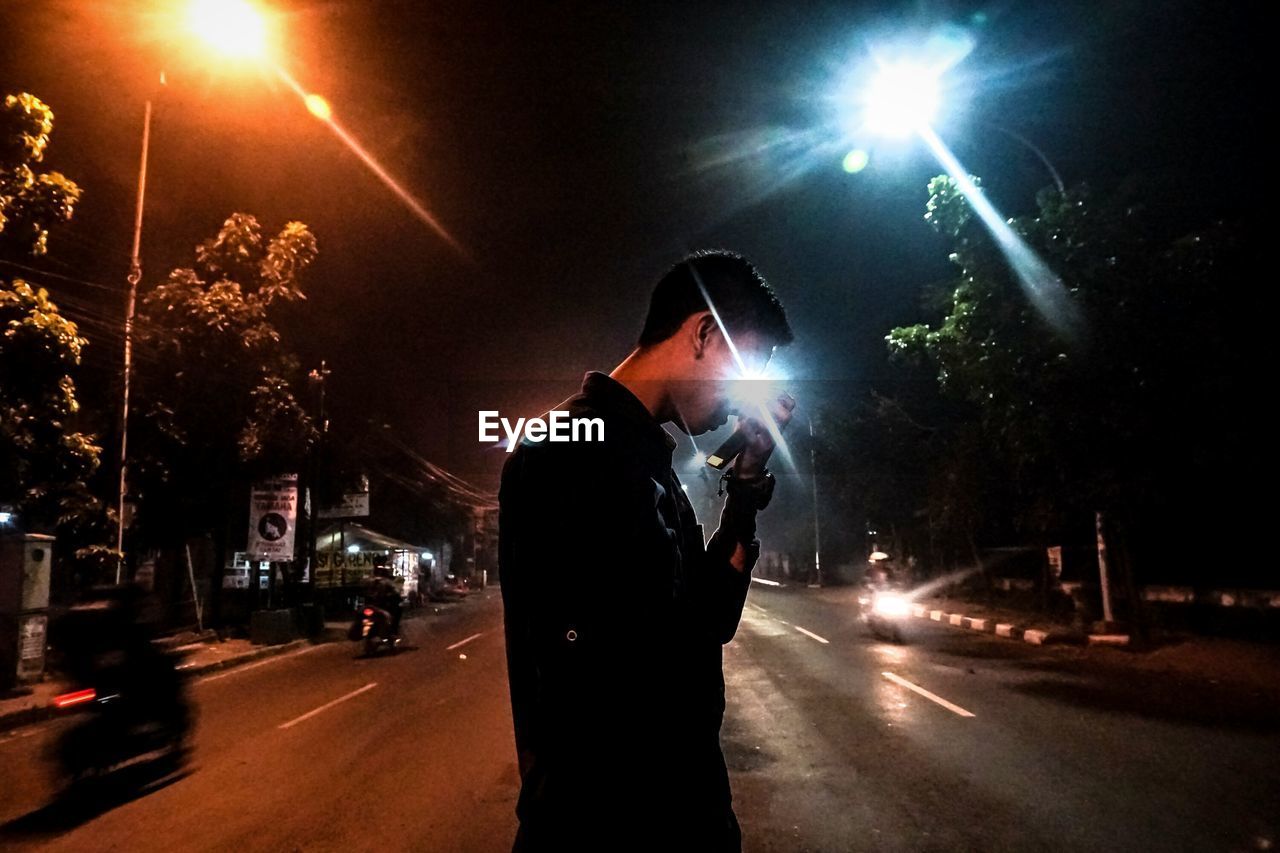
<point>332,539</point>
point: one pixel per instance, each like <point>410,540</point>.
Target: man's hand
<point>755,455</point>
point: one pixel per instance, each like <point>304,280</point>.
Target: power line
<point>86,282</point>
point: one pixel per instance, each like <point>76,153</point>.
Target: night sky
<point>577,149</point>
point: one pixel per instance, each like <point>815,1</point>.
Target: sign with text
<point>273,514</point>
<point>353,505</point>
<point>1055,563</point>
<point>343,568</point>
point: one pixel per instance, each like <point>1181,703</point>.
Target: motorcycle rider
<point>383,593</point>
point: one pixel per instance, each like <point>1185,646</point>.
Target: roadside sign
<point>273,515</point>
<point>353,505</point>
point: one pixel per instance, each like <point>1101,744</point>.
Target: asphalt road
<point>833,751</point>
<point>831,745</point>
<point>319,751</point>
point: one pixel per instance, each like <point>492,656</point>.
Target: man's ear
<point>704,331</point>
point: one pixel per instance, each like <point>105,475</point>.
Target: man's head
<point>705,295</point>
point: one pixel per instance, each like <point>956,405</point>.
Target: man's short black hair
<point>741,296</point>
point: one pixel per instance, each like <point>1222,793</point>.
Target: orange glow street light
<point>234,29</point>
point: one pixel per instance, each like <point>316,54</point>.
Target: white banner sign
<point>354,505</point>
<point>273,513</point>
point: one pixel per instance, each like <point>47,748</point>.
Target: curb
<point>986,625</point>
<point>248,657</point>
<point>40,713</point>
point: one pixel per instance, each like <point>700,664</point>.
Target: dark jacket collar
<point>615,401</point>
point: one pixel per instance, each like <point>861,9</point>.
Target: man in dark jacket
<point>616,606</point>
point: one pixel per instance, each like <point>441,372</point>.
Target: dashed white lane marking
<point>822,640</point>
<point>463,642</point>
<point>784,622</point>
<point>16,734</point>
<point>327,705</point>
<point>201,679</point>
<point>765,581</point>
<point>933,697</point>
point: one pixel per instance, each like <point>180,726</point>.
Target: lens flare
<point>759,411</point>
<point>312,103</point>
<point>319,107</point>
<point>1042,285</point>
<point>855,161</point>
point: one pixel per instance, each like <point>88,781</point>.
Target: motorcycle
<point>372,628</point>
<point>885,611</point>
<point>134,719</point>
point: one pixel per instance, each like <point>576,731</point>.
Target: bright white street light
<point>353,549</point>
<point>902,99</point>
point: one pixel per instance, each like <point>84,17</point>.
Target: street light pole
<point>1034,149</point>
<point>135,276</point>
<point>817,531</point>
<point>235,29</point>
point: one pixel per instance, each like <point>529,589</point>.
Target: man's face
<point>717,382</point>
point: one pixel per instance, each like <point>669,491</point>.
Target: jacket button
<point>571,636</point>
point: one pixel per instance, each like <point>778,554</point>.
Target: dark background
<point>576,149</point>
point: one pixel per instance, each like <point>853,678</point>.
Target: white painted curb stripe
<point>327,705</point>
<point>956,619</point>
<point>765,582</point>
<point>822,640</point>
<point>919,610</point>
<point>1109,639</point>
<point>463,642</point>
<point>1036,638</point>
<point>899,680</point>
<point>935,615</point>
<point>978,624</point>
<point>1004,630</point>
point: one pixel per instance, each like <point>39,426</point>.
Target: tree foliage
<point>215,387</point>
<point>1121,417</point>
<point>44,460</point>
<point>31,202</point>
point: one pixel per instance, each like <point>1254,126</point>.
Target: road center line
<point>822,640</point>
<point>463,642</point>
<point>899,680</point>
<point>327,705</point>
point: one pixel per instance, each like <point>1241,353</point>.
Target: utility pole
<point>135,276</point>
<point>1107,615</point>
<point>817,530</point>
<point>318,377</point>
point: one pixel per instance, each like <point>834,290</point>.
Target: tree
<point>1112,418</point>
<point>44,460</point>
<point>31,202</point>
<point>215,381</point>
